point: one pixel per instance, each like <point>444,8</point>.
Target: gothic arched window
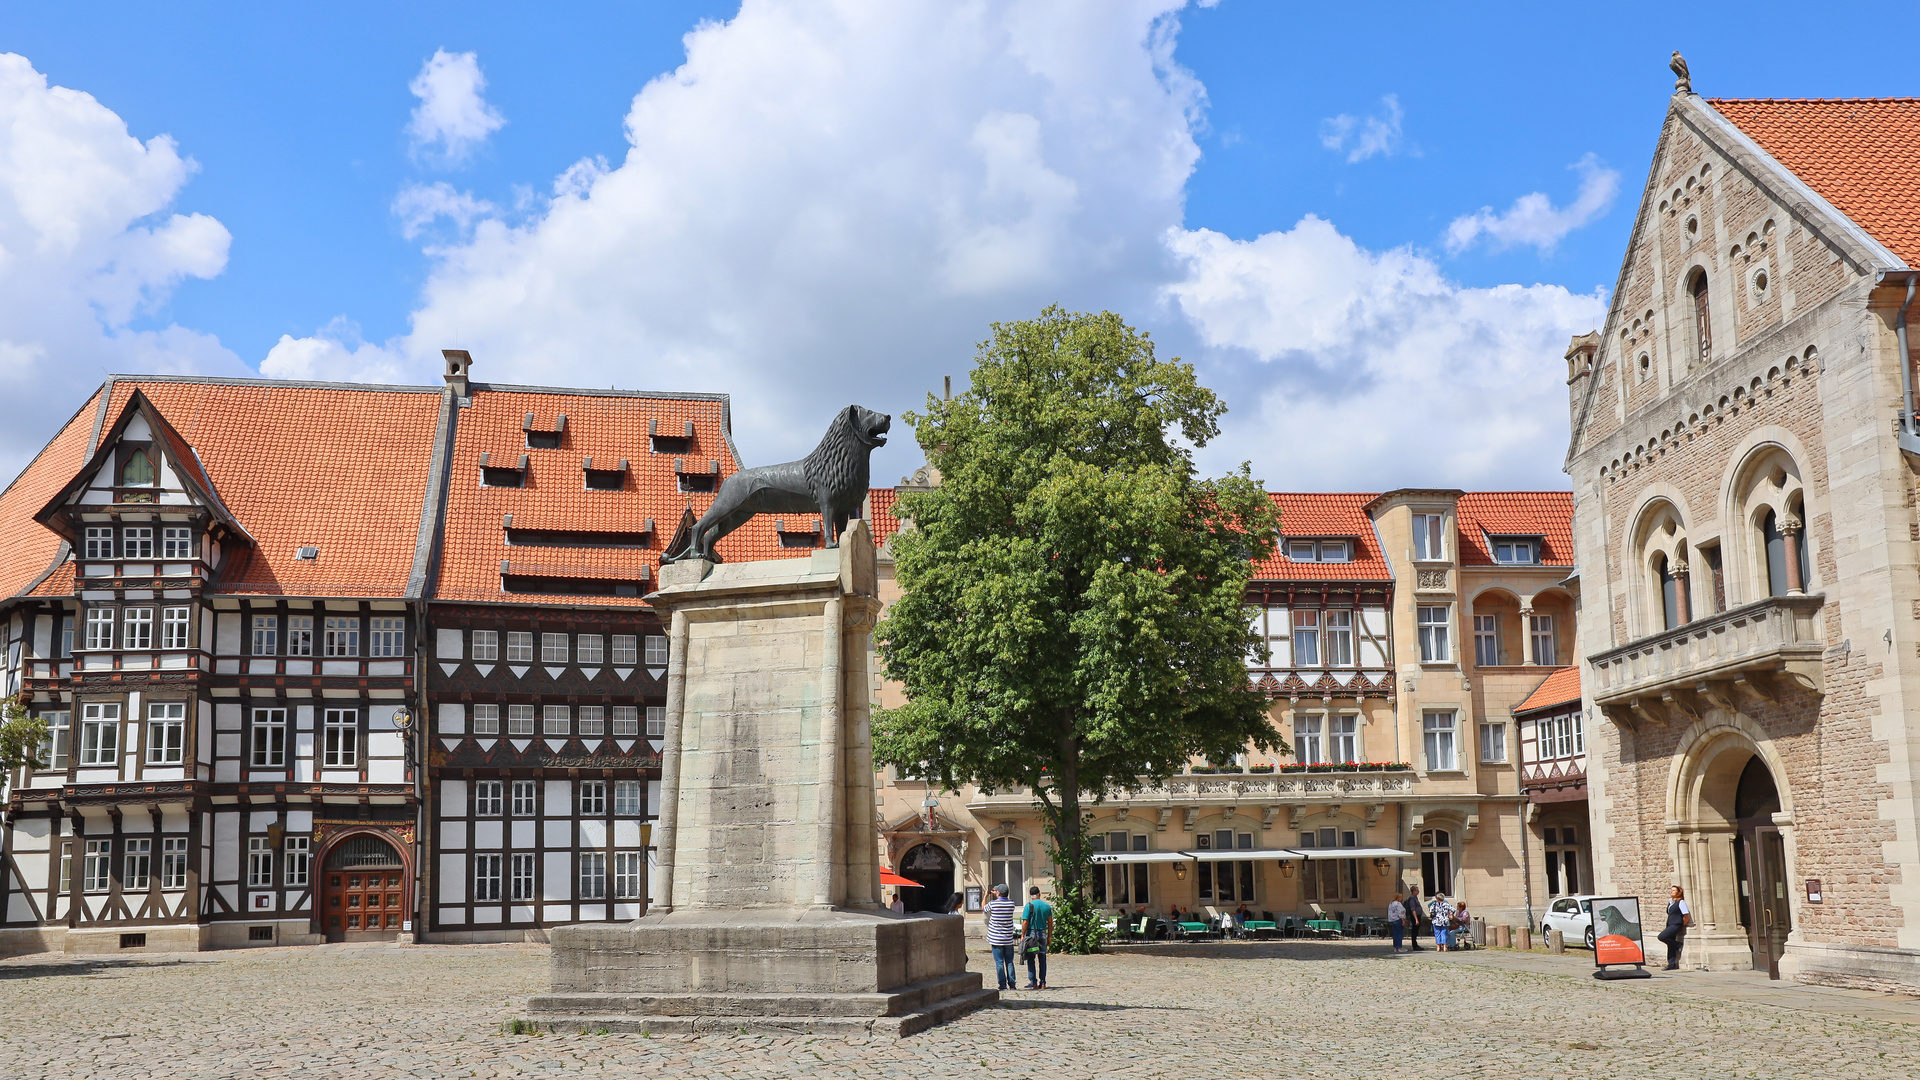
<point>137,470</point>
<point>1702,321</point>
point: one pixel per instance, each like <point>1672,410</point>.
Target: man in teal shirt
<point>1036,920</point>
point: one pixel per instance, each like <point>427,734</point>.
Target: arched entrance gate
<point>1732,856</point>
<point>364,886</point>
<point>932,868</point>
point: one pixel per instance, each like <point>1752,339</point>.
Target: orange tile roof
<point>1546,514</point>
<point>882,520</point>
<point>1558,688</point>
<point>1330,515</point>
<point>1860,154</point>
<point>27,548</point>
<point>604,426</point>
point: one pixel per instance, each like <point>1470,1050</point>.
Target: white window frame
<point>266,635</point>
<point>259,862</point>
<point>523,867</point>
<point>1429,537</point>
<point>1435,625</point>
<point>386,636</point>
<point>592,719</point>
<point>57,747</point>
<point>593,798</point>
<point>100,733</point>
<point>1493,742</point>
<point>656,721</point>
<point>166,732</point>
<point>556,720</point>
<point>625,650</point>
<point>176,542</point>
<point>656,650</point>
<point>1336,637</point>
<point>1343,737</point>
<point>298,859</point>
<point>99,542</point>
<point>1308,749</point>
<point>173,862</point>
<point>1486,640</point>
<point>486,878</point>
<point>486,719</point>
<point>1008,866</point>
<point>629,798</point>
<point>136,628</point>
<point>486,798</point>
<point>1540,640</point>
<point>590,648</point>
<point>299,635</point>
<point>1519,552</point>
<point>136,542</point>
<point>340,739</point>
<point>486,645</point>
<point>342,636</point>
<point>519,646</point>
<point>176,627</point>
<point>96,873</point>
<point>520,719</point>
<point>525,798</point>
<point>1440,737</point>
<point>136,864</point>
<point>268,749</point>
<point>554,649</point>
<point>593,875</point>
<point>100,628</point>
<point>626,720</point>
<point>626,874</point>
<point>1306,637</point>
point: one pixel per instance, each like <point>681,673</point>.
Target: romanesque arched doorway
<point>1731,855</point>
<point>363,890</point>
<point>932,868</point>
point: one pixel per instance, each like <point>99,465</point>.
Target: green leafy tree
<point>21,736</point>
<point>1073,610</point>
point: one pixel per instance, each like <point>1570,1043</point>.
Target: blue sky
<point>1291,196</point>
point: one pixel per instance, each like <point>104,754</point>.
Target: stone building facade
<point>1744,472</point>
<point>1403,629</point>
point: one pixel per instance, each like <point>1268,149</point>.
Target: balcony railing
<point>1757,651</point>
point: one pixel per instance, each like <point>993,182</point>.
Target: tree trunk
<point>1067,787</point>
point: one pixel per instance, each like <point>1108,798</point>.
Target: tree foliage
<point>1072,612</point>
<point>21,736</point>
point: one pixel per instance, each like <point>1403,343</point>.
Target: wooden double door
<point>1761,868</point>
<point>363,891</point>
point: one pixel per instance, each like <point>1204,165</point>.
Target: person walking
<point>1036,930</point>
<point>1414,913</point>
<point>1003,937</point>
<point>1679,917</point>
<point>1397,920</point>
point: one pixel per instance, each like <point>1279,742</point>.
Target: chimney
<point>458,361</point>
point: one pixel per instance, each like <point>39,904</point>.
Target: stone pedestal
<point>766,912</point>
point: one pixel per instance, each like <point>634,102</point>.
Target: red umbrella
<point>888,877</point>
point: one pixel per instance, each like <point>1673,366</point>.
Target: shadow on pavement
<point>1084,1006</point>
<point>1352,949</point>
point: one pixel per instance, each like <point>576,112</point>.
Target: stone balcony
<point>1757,651</point>
<point>1261,795</point>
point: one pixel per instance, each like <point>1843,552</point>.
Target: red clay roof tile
<point>1332,516</point>
<point>1860,154</point>
<point>1557,689</point>
<point>1546,514</point>
<point>27,548</point>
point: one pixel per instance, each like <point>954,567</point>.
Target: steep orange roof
<point>608,427</point>
<point>881,518</point>
<point>27,548</point>
<point>1546,514</point>
<point>1329,515</point>
<point>1558,688</point>
<point>1860,154</point>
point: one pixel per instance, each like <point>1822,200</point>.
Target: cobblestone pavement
<point>1286,1009</point>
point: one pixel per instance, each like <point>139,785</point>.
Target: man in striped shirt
<point>1003,936</point>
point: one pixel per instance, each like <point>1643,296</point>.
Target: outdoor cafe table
<point>1260,927</point>
<point>1324,926</point>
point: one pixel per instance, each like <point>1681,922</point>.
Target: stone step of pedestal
<point>899,1026</point>
<point>899,1002</point>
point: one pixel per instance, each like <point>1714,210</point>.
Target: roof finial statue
<point>1682,82</point>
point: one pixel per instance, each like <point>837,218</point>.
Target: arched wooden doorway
<point>1760,866</point>
<point>932,867</point>
<point>364,889</point>
<point>1730,851</point>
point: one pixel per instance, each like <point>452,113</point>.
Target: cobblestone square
<point>1308,1009</point>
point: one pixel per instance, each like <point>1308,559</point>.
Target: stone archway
<point>1731,850</point>
<point>930,866</point>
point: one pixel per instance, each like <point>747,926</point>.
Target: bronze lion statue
<point>832,482</point>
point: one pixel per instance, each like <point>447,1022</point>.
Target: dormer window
<point>607,477</point>
<point>1333,551</point>
<point>503,474</point>
<point>538,439</point>
<point>670,441</point>
<point>797,534</point>
<point>1516,551</point>
<point>697,477</point>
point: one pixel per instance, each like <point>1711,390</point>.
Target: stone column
<point>1526,633</point>
<point>670,763</point>
<point>1682,582</point>
<point>832,773</point>
<point>1790,535</point>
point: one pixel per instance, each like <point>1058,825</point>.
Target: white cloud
<point>1363,137</point>
<point>87,249</point>
<point>418,206</point>
<point>335,353</point>
<point>1363,370</point>
<point>1533,219</point>
<point>830,201</point>
<point>452,119</point>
